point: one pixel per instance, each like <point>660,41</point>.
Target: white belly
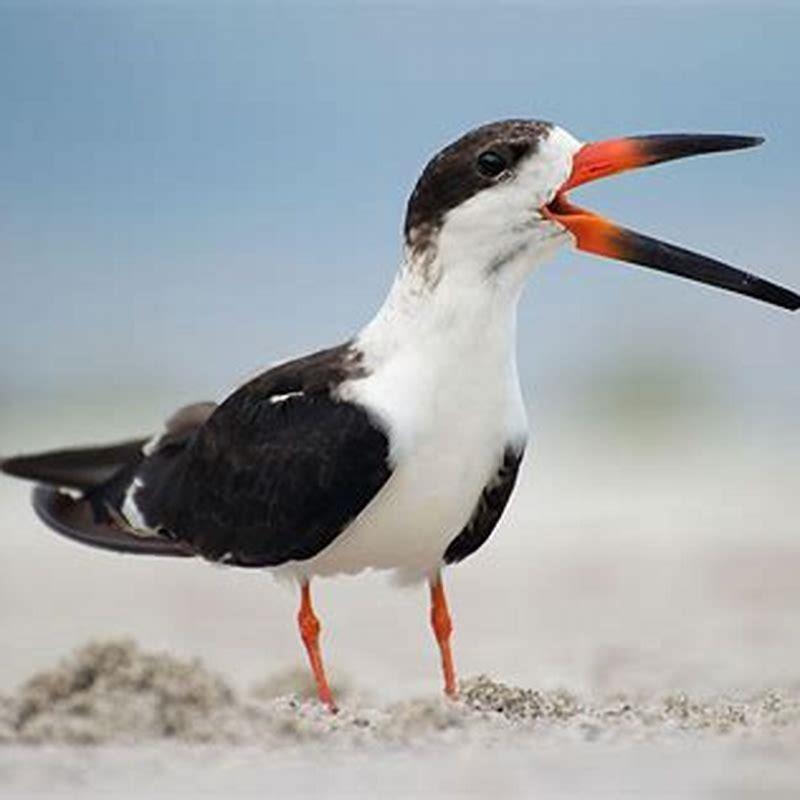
<point>450,422</point>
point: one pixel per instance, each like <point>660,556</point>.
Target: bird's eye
<point>491,164</point>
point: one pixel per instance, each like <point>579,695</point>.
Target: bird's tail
<point>77,468</point>
<point>79,492</point>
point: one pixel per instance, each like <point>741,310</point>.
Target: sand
<point>113,697</point>
<point>113,692</point>
<point>630,631</point>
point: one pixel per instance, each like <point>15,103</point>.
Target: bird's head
<point>494,203</point>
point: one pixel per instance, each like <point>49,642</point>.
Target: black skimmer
<point>398,449</point>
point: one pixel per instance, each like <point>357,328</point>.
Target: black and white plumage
<point>399,449</point>
<point>489,509</point>
<point>396,450</point>
<point>283,453</point>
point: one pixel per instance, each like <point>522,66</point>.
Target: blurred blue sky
<point>190,190</point>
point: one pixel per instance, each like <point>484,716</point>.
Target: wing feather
<point>276,473</point>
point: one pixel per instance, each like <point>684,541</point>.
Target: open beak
<point>594,234</point>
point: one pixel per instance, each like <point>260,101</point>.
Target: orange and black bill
<point>594,234</point>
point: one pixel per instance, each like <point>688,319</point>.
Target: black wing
<point>489,509</point>
<point>278,470</point>
<point>75,518</point>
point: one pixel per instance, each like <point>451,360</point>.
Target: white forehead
<point>541,173</point>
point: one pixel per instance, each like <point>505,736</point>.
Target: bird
<point>399,448</point>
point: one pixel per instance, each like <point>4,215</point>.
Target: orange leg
<point>309,632</point>
<point>442,628</point>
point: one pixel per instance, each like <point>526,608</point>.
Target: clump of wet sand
<point>113,692</point>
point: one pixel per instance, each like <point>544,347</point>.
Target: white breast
<point>450,399</point>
